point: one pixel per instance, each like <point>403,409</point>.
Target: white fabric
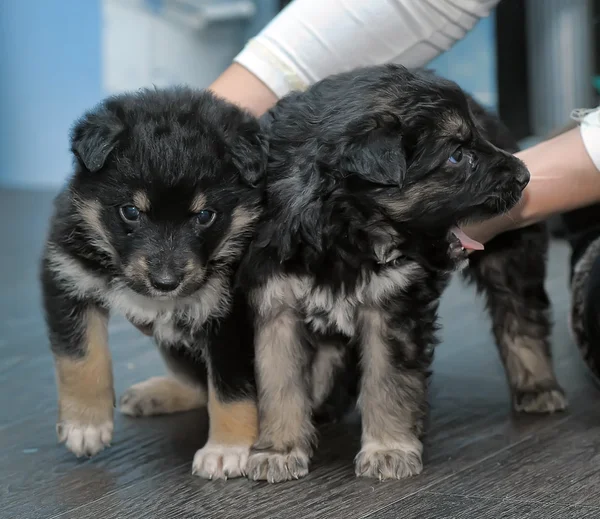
<point>311,39</point>
<point>590,133</point>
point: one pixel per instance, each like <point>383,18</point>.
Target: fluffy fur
<point>582,231</point>
<point>153,223</point>
<point>368,172</point>
<point>585,284</point>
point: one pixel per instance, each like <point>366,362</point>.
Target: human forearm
<point>563,177</point>
<point>242,87</point>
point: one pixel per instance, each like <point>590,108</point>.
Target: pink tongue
<point>465,241</point>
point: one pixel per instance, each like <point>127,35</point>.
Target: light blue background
<point>50,73</point>
<point>472,63</point>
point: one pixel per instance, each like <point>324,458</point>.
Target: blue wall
<point>49,74</point>
<point>472,63</point>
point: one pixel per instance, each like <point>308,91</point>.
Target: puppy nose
<point>523,178</point>
<point>165,281</point>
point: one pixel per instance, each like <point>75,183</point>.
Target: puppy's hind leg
<point>511,272</point>
<point>183,390</point>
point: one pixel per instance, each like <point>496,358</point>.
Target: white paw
<point>84,439</point>
<point>161,395</point>
<point>395,461</point>
<point>136,403</point>
<point>215,461</point>
<point>275,467</point>
<point>540,401</point>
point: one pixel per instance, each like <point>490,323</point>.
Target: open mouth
<point>467,243</point>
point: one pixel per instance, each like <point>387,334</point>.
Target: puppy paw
<point>84,439</point>
<point>215,461</point>
<point>275,467</point>
<point>161,395</point>
<point>389,462</point>
<point>546,401</point>
<point>85,426</point>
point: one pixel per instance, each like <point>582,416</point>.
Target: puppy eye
<point>457,156</point>
<point>129,213</point>
<point>205,217</point>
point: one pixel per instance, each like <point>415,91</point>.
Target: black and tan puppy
<point>152,225</point>
<point>369,173</point>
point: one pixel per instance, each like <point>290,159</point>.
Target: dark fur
<point>177,151</point>
<point>354,251</point>
<point>582,228</point>
<point>584,321</point>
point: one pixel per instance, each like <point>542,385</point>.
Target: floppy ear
<point>249,151</point>
<point>375,153</point>
<point>95,136</point>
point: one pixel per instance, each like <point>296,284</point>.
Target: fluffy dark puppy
<point>369,171</point>
<point>152,224</point>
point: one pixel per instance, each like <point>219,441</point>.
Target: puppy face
<point>166,187</point>
<point>453,173</point>
<point>417,149</point>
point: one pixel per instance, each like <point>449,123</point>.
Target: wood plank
<point>429,505</point>
<point>557,465</point>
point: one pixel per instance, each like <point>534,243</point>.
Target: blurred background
<point>531,60</point>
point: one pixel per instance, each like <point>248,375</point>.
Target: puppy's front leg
<point>232,407</point>
<point>79,341</point>
<point>392,401</point>
<point>233,430</point>
<point>286,431</point>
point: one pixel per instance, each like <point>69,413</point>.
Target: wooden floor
<point>480,460</point>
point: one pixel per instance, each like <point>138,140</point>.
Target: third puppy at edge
<point>370,172</point>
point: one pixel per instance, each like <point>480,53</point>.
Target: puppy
<point>370,172</point>
<point>152,225</point>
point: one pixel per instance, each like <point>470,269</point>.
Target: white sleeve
<point>311,39</point>
<point>590,133</point>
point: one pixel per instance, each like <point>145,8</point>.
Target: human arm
<point>312,39</point>
<point>564,176</point>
